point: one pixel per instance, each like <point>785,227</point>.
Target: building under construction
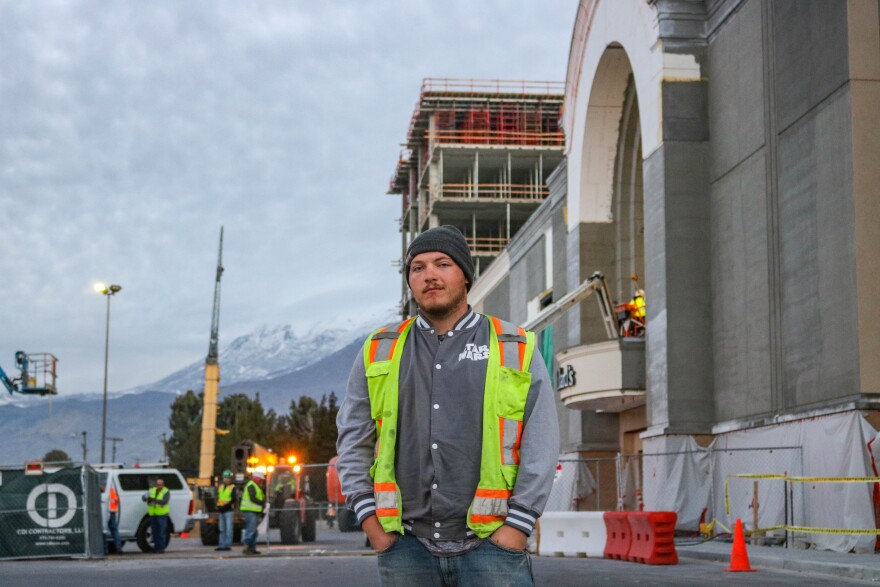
<point>477,156</point>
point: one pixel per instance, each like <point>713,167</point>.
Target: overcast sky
<point>131,131</point>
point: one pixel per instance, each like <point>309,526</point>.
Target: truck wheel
<point>210,533</point>
<point>309,530</point>
<point>288,524</point>
<point>144,536</point>
<point>347,520</point>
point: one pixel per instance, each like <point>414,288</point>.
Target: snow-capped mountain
<point>269,353</point>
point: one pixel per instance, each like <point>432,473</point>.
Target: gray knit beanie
<point>443,239</point>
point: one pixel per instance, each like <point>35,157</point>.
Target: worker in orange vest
<point>113,520</point>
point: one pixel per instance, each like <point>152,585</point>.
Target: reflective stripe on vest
<point>154,509</point>
<point>490,506</point>
<point>505,392</point>
<point>246,504</point>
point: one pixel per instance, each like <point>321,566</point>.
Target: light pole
<point>114,440</point>
<point>109,291</point>
<point>82,444</point>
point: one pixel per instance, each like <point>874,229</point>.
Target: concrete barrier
<point>572,534</point>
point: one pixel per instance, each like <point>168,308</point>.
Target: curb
<point>757,561</point>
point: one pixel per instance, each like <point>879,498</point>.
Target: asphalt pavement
<point>343,559</point>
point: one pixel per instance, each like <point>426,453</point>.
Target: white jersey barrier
<point>572,534</point>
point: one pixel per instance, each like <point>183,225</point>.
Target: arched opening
<point>611,195</point>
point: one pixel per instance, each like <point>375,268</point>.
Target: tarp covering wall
<point>51,514</point>
<point>682,477</point>
<point>573,482</point>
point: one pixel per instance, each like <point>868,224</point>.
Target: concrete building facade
<point>723,155</point>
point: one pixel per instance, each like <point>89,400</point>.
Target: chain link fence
<point>701,486</point>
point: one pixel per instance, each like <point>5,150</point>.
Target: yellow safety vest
<point>224,494</point>
<point>154,509</point>
<point>504,400</point>
<point>246,504</point>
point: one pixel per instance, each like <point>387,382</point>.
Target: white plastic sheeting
<point>573,481</point>
<point>687,479</point>
<point>677,477</point>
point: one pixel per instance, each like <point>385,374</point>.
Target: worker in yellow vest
<point>448,434</point>
<point>225,509</point>
<point>253,500</point>
<point>638,305</point>
<point>157,509</point>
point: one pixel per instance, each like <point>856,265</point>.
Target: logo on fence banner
<point>51,491</point>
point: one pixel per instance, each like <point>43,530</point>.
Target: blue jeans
<point>251,519</point>
<point>406,562</point>
<point>159,529</point>
<point>226,524</point>
<point>113,526</point>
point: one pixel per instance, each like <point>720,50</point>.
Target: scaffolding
<point>477,155</point>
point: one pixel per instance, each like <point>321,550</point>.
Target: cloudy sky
<point>131,131</point>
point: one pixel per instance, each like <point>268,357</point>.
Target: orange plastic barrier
<point>617,535</point>
<point>653,538</point>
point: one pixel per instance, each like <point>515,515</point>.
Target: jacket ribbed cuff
<point>521,519</point>
<point>364,506</point>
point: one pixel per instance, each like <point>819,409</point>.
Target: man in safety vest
<point>448,434</point>
<point>225,508</point>
<point>253,500</point>
<point>638,305</point>
<point>157,508</point>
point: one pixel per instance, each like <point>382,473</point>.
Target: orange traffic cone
<point>184,534</point>
<point>739,558</point>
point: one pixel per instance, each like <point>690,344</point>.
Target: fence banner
<point>42,515</point>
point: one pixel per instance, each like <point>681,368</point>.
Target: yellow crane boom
<point>212,384</point>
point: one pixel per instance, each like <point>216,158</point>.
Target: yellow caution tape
<point>808,530</point>
<point>761,476</point>
<point>835,479</point>
<point>769,529</point>
<point>723,527</point>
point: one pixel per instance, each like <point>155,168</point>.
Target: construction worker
<point>157,508</point>
<point>253,500</point>
<point>445,501</point>
<point>638,305</point>
<point>226,507</point>
<point>113,519</point>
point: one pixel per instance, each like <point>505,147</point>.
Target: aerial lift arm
<point>595,283</point>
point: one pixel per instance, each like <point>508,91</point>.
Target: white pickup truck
<point>131,484</point>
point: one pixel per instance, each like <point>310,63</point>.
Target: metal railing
<point>497,137</point>
<point>494,191</point>
<point>491,86</point>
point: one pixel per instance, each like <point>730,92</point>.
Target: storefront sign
<point>565,377</point>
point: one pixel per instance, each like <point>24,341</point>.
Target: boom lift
<point>37,374</point>
<point>596,283</point>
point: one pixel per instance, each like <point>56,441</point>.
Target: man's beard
<point>440,311</point>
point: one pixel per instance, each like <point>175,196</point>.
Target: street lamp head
<point>107,290</point>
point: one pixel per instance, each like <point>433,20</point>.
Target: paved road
<point>337,559</point>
